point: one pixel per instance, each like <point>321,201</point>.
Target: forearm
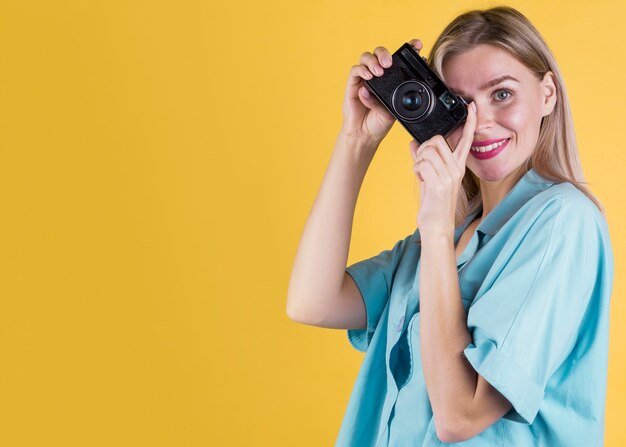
<point>322,255</point>
<point>450,379</point>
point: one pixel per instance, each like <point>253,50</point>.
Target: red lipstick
<point>493,152</point>
<point>486,142</point>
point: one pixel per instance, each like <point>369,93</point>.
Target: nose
<point>484,119</point>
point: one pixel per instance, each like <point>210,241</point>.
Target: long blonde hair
<point>556,155</point>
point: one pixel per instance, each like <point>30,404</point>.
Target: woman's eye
<point>503,97</point>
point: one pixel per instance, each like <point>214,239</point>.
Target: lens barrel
<point>412,100</point>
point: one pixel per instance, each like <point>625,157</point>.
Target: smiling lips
<point>488,148</point>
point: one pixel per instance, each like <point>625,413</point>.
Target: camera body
<point>415,95</point>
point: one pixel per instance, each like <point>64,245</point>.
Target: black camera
<point>415,95</point>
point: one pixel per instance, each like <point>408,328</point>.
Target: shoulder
<point>570,222</point>
<point>567,206</point>
<point>570,196</point>
<point>558,214</point>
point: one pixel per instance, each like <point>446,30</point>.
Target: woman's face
<point>509,111</point>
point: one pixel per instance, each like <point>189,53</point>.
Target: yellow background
<point>158,161</point>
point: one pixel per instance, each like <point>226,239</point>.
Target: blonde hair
<point>556,155</point>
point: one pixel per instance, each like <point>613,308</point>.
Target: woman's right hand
<point>364,116</point>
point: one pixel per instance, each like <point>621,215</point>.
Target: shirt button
<point>400,323</point>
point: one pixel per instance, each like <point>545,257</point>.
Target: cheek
<point>517,117</point>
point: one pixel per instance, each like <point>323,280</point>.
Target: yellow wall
<point>158,161</point>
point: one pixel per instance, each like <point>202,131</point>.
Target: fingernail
<point>386,62</point>
<point>473,105</point>
<point>365,93</point>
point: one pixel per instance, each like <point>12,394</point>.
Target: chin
<point>491,173</point>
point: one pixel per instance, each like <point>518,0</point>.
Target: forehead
<point>472,69</point>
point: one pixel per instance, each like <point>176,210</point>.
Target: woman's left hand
<point>440,172</point>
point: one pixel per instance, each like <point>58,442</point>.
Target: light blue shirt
<point>536,281</point>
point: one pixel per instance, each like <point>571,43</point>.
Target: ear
<point>548,94</point>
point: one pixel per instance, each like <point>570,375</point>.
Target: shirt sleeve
<point>373,277</point>
<point>525,324</point>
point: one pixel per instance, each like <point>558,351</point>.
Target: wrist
<point>436,233</point>
<point>359,138</point>
<point>364,147</point>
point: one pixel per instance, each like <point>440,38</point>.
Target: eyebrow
<point>489,84</point>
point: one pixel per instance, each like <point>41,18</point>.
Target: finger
<point>455,170</point>
<point>384,56</point>
<point>370,101</point>
<point>417,44</point>
<point>465,142</point>
<point>427,173</point>
<point>432,156</point>
<point>357,74</point>
<point>435,143</point>
<point>444,150</point>
<point>371,61</point>
<point>413,147</point>
<point>424,146</point>
<point>418,167</point>
<point>423,164</point>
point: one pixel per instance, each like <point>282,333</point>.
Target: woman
<point>488,326</point>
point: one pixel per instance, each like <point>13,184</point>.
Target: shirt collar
<point>525,189</point>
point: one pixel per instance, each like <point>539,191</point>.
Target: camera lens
<point>412,100</point>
